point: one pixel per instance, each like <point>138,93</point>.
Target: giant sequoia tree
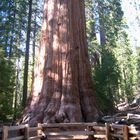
<point>62,89</point>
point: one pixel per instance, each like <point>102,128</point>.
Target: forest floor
<point>127,113</point>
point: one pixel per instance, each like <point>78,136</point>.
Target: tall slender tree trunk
<point>25,80</point>
<point>101,23</point>
<point>62,89</point>
<point>16,90</point>
<point>12,30</point>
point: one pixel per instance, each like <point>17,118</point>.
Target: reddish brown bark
<point>62,89</point>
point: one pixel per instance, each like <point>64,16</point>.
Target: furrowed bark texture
<point>62,89</point>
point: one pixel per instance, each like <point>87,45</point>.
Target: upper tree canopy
<point>62,89</point>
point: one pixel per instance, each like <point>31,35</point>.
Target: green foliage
<point>112,60</point>
<point>106,73</point>
<point>13,28</point>
<point>110,20</point>
<point>7,86</point>
<point>138,72</point>
<point>126,61</point>
<point>106,77</point>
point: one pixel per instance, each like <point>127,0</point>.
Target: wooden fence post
<point>108,128</point>
<point>39,131</point>
<point>125,132</point>
<point>5,133</point>
<point>90,137</point>
<point>26,132</point>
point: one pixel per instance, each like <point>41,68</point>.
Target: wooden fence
<point>70,131</point>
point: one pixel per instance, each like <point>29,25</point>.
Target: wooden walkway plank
<point>70,133</point>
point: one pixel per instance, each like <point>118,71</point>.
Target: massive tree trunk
<point>62,89</point>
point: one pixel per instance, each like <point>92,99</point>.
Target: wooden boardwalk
<point>70,131</point>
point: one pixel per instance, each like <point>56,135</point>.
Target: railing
<point>21,132</point>
<point>70,131</point>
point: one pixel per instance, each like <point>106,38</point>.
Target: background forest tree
<point>111,55</point>
<point>13,28</point>
<point>115,66</point>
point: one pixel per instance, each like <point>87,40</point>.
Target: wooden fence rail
<point>70,131</point>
